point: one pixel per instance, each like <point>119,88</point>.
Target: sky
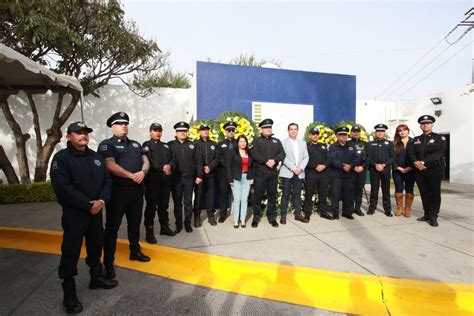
<point>377,41</point>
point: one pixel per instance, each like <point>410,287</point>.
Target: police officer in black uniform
<point>427,153</point>
<point>157,183</point>
<point>82,185</point>
<point>380,157</point>
<point>267,153</point>
<point>128,165</point>
<point>208,151</point>
<point>360,169</point>
<point>343,158</point>
<point>224,147</point>
<point>187,170</point>
<point>317,178</point>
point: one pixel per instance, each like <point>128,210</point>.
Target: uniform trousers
<point>265,182</point>
<point>224,191</point>
<point>182,192</point>
<point>359,182</point>
<point>342,189</point>
<point>316,184</point>
<point>205,188</point>
<point>429,183</point>
<point>157,194</point>
<point>376,179</point>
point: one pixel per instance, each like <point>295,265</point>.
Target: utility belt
<point>437,163</point>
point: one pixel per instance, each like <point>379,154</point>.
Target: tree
<point>251,60</point>
<point>145,84</point>
<point>89,40</point>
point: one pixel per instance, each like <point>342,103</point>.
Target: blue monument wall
<point>222,87</point>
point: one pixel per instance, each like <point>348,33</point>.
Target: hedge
<point>27,193</point>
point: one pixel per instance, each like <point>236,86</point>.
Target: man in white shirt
<point>292,171</point>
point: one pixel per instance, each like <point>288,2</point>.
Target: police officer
<point>380,157</point>
<point>317,178</point>
<point>224,147</point>
<point>128,165</point>
<point>360,169</point>
<point>267,153</point>
<point>343,158</point>
<point>157,183</point>
<point>82,185</point>
<point>427,153</point>
<point>187,170</point>
<point>208,150</point>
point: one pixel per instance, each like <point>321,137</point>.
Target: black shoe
<point>188,228</point>
<point>434,223</point>
<point>139,256</point>
<point>389,214</point>
<point>299,217</point>
<point>359,212</point>
<point>254,224</point>
<point>178,229</point>
<point>197,221</point>
<point>370,212</point>
<point>150,236</point>
<point>101,282</point>
<point>274,223</point>
<point>327,216</point>
<point>70,302</point>
<point>423,219</point>
<point>348,216</point>
<point>212,220</point>
<point>222,218</point>
<point>165,230</point>
<point>283,220</point>
<point>109,273</point>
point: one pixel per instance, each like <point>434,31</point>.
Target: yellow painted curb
<point>335,291</point>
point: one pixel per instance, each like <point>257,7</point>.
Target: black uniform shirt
<point>127,154</point>
<point>158,153</point>
<point>342,154</point>
<point>208,151</point>
<point>361,147</point>
<point>429,149</point>
<point>224,147</point>
<point>79,177</point>
<point>380,151</point>
<point>264,149</point>
<point>318,155</point>
<point>187,161</point>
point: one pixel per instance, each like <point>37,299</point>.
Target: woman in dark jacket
<point>403,175</point>
<point>239,170</point>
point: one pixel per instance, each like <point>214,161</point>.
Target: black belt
<point>128,187</point>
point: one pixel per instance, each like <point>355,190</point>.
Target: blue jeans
<point>241,189</point>
<point>294,183</point>
<point>404,181</point>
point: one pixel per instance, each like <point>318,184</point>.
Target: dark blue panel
<point>222,87</point>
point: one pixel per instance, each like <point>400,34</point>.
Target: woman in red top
<point>239,170</point>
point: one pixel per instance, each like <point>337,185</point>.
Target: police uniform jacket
<point>361,147</point>
<point>428,148</point>
<point>208,151</point>
<point>224,148</point>
<point>402,159</point>
<point>234,166</point>
<point>127,154</point>
<point>264,149</point>
<point>79,177</point>
<point>187,160</point>
<point>318,155</point>
<point>380,151</point>
<point>339,155</point>
<point>159,154</point>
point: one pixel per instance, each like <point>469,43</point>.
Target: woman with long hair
<point>403,175</point>
<point>239,171</point>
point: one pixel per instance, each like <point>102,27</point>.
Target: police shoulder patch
<point>443,138</point>
<point>54,165</point>
<point>351,148</point>
<point>97,162</point>
<point>145,148</point>
<point>103,147</point>
<point>386,142</point>
<point>274,140</point>
<point>431,141</point>
<point>135,145</point>
<point>323,147</point>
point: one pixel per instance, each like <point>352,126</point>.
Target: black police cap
<point>77,126</point>
<point>156,125</point>
<point>342,130</point>
<point>230,125</point>
<point>119,117</point>
<point>266,123</point>
<point>204,126</point>
<point>381,127</point>
<point>426,119</point>
<point>181,126</point>
<point>314,130</point>
<point>355,128</point>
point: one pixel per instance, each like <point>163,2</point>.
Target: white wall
<point>457,119</point>
<point>166,106</point>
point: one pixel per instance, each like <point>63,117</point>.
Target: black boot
<point>166,230</point>
<point>98,280</point>
<point>211,218</point>
<point>72,304</point>
<point>150,235</point>
<point>109,273</point>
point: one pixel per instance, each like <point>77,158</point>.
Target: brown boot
<point>408,202</point>
<point>399,200</point>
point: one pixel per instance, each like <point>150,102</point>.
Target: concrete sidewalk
<point>376,245</point>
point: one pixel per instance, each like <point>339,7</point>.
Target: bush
<point>27,193</point>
